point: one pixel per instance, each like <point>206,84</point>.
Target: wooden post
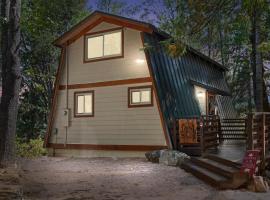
<point>263,143</point>
<point>174,134</point>
<point>250,145</point>
<point>219,131</point>
<point>201,134</point>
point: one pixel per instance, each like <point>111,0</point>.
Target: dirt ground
<point>116,179</point>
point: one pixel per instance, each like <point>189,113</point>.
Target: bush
<point>32,149</point>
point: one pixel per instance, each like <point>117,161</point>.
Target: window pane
<point>88,103</point>
<point>112,44</point>
<point>135,97</point>
<point>146,96</point>
<point>80,104</point>
<point>95,47</point>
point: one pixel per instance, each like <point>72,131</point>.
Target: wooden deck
<point>230,150</point>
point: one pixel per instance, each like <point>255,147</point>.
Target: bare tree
<point>11,78</point>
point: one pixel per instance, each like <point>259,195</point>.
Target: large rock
<point>167,157</point>
<point>153,156</point>
<point>260,184</point>
<point>172,157</point>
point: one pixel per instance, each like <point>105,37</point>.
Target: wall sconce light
<point>139,61</point>
<point>199,94</point>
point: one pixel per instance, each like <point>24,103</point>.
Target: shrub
<point>32,149</point>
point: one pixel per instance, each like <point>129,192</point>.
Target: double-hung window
<point>84,104</point>
<point>140,96</point>
<point>104,45</point>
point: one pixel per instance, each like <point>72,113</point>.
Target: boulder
<point>153,156</point>
<point>260,184</point>
<point>167,157</point>
<point>172,157</point>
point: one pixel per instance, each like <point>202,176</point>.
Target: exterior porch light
<point>200,94</point>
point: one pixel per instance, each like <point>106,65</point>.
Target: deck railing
<point>233,129</point>
<point>209,131</point>
<point>258,135</point>
<point>186,131</point>
<point>202,132</point>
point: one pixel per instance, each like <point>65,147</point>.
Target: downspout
<point>67,93</point>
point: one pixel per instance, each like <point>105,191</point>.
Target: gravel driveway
<point>116,179</point>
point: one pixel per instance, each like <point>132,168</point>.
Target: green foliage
<point>264,47</point>
<point>42,22</point>
<point>175,49</point>
<point>117,7</point>
<point>32,149</point>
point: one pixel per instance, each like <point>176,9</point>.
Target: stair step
<point>207,176</point>
<point>223,161</point>
<point>215,167</point>
<point>191,150</point>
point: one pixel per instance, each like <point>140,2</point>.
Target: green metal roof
<point>175,79</point>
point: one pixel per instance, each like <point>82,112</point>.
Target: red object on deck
<point>249,163</point>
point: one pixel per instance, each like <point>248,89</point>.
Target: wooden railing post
<point>175,133</point>
<point>249,132</point>
<point>201,134</point>
<point>263,142</point>
<point>220,131</point>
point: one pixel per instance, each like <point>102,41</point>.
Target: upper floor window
<point>103,45</point>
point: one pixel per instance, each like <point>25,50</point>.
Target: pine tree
<point>11,78</point>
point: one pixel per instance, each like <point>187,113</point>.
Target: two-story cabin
<point>113,98</point>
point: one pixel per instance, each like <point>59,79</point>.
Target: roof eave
<point>68,36</point>
<point>206,58</point>
<point>212,89</point>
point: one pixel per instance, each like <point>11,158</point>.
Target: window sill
<point>102,59</point>
<point>80,116</point>
<point>140,105</point>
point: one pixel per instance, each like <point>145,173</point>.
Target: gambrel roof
<point>98,17</point>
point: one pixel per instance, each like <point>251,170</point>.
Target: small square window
<point>140,96</point>
<point>84,104</point>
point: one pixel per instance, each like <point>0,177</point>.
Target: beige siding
<point>115,69</point>
<point>114,123</point>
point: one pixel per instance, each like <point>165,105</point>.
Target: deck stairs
<point>216,171</point>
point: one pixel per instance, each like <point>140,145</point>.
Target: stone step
<point>216,167</point>
<point>192,150</point>
<point>205,175</point>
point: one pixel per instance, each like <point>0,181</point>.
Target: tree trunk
<point>11,79</point>
<point>256,61</point>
